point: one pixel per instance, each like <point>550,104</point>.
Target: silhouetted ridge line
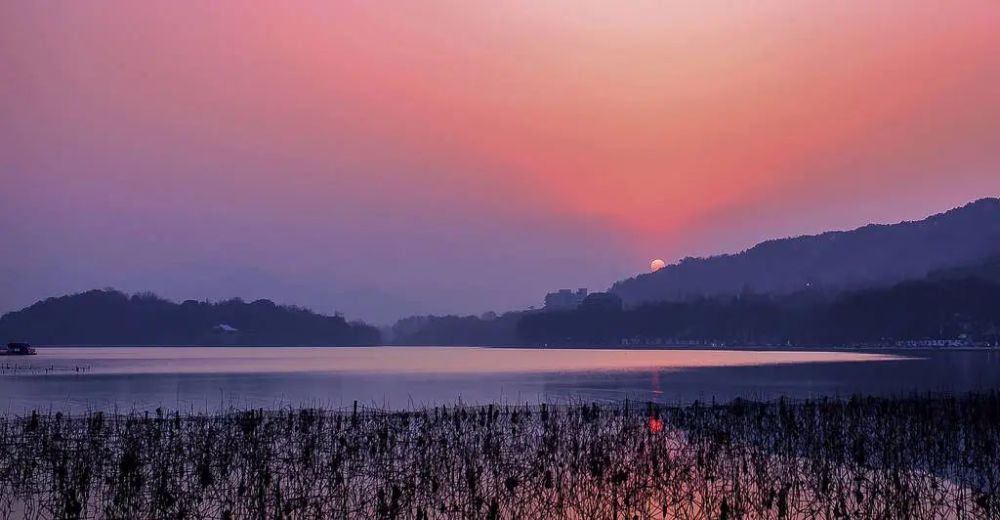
<point>109,317</point>
<point>870,256</point>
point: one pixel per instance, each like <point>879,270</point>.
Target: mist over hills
<point>953,307</point>
<point>870,256</point>
<point>935,279</point>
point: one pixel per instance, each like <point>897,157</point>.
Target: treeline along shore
<point>904,457</point>
<point>959,310</point>
<point>962,311</point>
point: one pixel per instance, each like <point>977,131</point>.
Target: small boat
<point>18,349</point>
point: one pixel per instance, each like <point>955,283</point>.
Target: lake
<point>207,379</point>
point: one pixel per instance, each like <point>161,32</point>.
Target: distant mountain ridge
<point>871,256</point>
<point>109,317</point>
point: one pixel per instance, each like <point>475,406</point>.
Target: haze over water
<point>206,379</point>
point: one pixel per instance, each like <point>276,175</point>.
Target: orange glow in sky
<point>376,135</point>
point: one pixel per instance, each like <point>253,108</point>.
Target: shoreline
<point>721,348</point>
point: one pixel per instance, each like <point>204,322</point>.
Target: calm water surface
<point>206,379</point>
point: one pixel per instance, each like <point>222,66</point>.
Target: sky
<point>383,159</point>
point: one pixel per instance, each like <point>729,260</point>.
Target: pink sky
<point>387,158</point>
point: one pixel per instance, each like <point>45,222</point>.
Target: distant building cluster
<point>565,299</point>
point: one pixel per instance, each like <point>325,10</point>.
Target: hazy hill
<point>871,256</point>
<point>985,270</point>
<point>110,317</point>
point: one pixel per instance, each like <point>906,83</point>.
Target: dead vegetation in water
<point>862,458</point>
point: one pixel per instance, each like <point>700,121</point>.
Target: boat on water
<point>18,349</point>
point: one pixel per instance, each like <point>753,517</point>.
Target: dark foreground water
<point>208,379</point>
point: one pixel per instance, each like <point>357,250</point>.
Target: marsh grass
<point>919,457</point>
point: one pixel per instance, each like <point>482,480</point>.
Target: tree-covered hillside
<point>867,257</point>
<point>959,310</point>
<point>109,317</point>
